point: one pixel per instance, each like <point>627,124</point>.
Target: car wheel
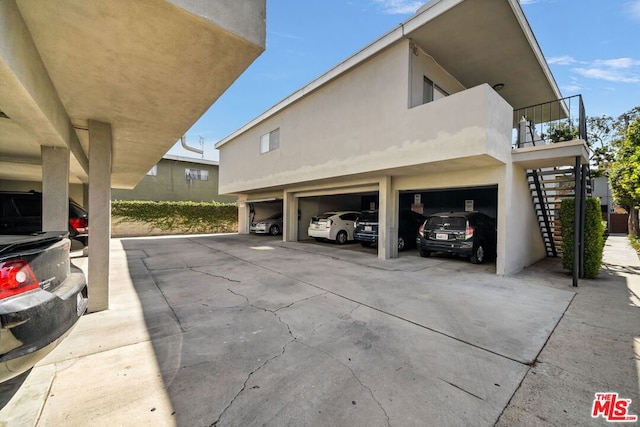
<point>402,244</point>
<point>478,255</point>
<point>342,237</point>
<point>424,253</point>
<point>274,230</point>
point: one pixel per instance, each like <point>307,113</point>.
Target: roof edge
<point>190,160</point>
<point>424,14</point>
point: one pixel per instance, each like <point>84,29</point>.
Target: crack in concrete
<point>214,275</point>
<point>302,300</point>
<point>244,385</point>
<point>354,376</point>
<point>294,338</point>
<point>284,347</point>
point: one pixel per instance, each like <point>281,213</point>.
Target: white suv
<point>338,226</point>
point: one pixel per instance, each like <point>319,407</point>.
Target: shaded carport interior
<point>93,94</point>
<point>481,199</point>
<point>264,208</point>
<point>315,205</point>
<point>425,201</point>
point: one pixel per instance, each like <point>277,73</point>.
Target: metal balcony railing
<point>551,122</point>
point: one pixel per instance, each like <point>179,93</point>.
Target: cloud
<point>633,7</point>
<point>608,74</point>
<point>572,88</point>
<point>617,70</point>
<point>561,60</point>
<point>617,63</point>
<point>399,7</point>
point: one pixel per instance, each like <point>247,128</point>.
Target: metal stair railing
<point>543,204</point>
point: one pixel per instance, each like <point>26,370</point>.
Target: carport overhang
<point>95,93</point>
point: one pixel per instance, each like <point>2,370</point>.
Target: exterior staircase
<point>553,122</point>
<point>548,188</point>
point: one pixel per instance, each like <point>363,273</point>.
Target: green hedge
<point>593,236</point>
<point>188,217</point>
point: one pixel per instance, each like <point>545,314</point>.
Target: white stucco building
<point>421,115</point>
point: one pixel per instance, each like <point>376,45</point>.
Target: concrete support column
<point>100,152</point>
<point>55,189</point>
<point>290,219</point>
<point>85,196</point>
<point>244,216</point>
<point>388,220</point>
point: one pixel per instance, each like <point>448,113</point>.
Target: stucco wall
<point>170,184</point>
<point>521,235</point>
<point>361,123</point>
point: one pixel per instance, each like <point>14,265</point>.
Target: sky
<point>592,47</point>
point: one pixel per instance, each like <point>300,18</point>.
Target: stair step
<point>551,172</point>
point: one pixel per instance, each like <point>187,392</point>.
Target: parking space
<point>245,330</point>
<point>328,218</point>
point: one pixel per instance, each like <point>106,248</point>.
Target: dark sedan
<point>42,296</point>
<point>22,214</point>
<point>366,231</point>
<point>469,234</point>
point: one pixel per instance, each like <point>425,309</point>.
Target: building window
<point>270,141</point>
<point>438,92</point>
<point>153,171</point>
<point>431,91</point>
<point>196,174</point>
<point>427,91</point>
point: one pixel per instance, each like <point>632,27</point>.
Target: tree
<point>625,172</point>
<point>600,131</point>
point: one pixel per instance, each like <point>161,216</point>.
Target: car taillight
<point>468,233</point>
<point>329,222</point>
<point>78,224</point>
<point>16,277</point>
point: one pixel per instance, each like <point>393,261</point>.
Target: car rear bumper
<point>79,242</point>
<point>460,248</point>
<point>258,229</point>
<point>323,233</point>
<point>366,237</point>
<point>33,323</point>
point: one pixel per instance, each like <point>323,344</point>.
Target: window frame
<point>191,174</point>
<point>270,141</point>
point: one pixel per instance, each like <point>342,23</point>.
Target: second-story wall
<point>362,122</point>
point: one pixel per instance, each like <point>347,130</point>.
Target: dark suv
<point>408,223</point>
<point>471,234</point>
<point>21,213</point>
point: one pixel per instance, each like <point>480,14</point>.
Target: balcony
<point>551,122</point>
<point>550,134</point>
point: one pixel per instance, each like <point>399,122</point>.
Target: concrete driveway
<point>247,330</point>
